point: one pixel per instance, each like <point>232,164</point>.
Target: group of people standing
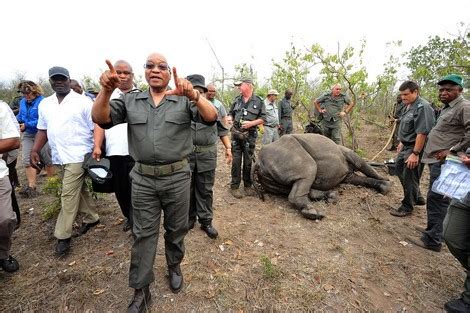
<point>424,140</point>
<point>162,147</point>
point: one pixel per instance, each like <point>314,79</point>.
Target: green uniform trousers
<point>332,130</point>
<point>457,238</point>
<point>151,196</point>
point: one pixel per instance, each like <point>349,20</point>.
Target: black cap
<point>57,70</point>
<point>197,81</point>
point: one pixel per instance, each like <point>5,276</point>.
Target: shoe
<point>176,278</point>
<point>85,228</point>
<point>457,306</point>
<point>400,212</point>
<point>420,243</point>
<point>250,191</point>
<point>29,192</point>
<point>140,301</point>
<point>63,247</point>
<point>236,192</point>
<point>420,201</point>
<point>210,230</point>
<point>9,265</point>
<point>126,227</point>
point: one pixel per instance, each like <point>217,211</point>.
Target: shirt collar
<point>455,101</point>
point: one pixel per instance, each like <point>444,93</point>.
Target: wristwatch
<point>416,152</point>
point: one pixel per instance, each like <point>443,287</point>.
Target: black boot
<point>210,230</point>
<point>176,278</point>
<point>63,247</point>
<point>141,301</point>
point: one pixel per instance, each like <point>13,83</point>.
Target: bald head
<point>157,72</point>
<point>125,74</point>
<point>211,91</point>
<point>75,85</point>
<point>157,57</point>
<point>124,63</point>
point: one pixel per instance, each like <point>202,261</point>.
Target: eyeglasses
<point>160,66</point>
<point>127,73</point>
<point>25,92</point>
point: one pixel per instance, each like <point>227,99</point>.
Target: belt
<point>160,170</point>
<point>198,149</point>
<point>286,117</point>
<point>270,126</point>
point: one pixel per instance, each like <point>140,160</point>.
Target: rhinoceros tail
<point>256,181</point>
<point>358,164</point>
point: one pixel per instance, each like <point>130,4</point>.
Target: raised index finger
<point>111,67</point>
<point>175,77</point>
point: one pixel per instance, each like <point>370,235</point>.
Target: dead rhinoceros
<point>308,166</point>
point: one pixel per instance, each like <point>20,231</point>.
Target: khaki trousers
<point>7,218</point>
<point>75,198</point>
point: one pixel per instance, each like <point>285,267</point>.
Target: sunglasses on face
<point>25,92</point>
<point>160,66</point>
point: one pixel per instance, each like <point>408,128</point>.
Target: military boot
<point>209,230</point>
<point>141,301</point>
<point>236,192</point>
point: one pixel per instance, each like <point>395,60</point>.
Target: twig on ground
<point>388,141</point>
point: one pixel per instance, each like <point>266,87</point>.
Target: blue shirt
<point>29,114</point>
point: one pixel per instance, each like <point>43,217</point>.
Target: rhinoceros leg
<point>382,186</point>
<point>329,196</point>
<point>299,194</point>
<point>357,163</point>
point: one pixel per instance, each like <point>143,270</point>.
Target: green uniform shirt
<point>417,118</point>
<point>249,111</point>
<point>333,105</point>
<point>285,109</point>
<point>157,135</point>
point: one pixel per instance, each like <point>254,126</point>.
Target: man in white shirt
<point>117,150</point>
<point>9,140</point>
<point>65,122</point>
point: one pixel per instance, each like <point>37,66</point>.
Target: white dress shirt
<point>69,127</point>
<point>116,136</point>
<point>8,129</point>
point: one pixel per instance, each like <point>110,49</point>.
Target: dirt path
<point>267,257</point>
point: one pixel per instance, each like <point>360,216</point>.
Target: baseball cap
<point>452,78</point>
<point>273,92</point>
<point>243,80</point>
<point>57,70</point>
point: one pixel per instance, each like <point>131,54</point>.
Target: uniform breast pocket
<point>177,125</point>
<point>252,114</point>
<point>137,125</point>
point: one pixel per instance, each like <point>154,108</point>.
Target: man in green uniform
<point>332,110</point>
<point>247,111</point>
<point>416,123</point>
<point>285,113</point>
<point>159,134</point>
<point>203,161</point>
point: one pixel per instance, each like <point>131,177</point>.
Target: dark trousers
<point>457,238</point>
<point>121,166</point>
<point>202,196</point>
<point>13,175</point>
<point>409,178</point>
<point>436,207</point>
<point>150,197</point>
<point>287,127</point>
<point>242,150</point>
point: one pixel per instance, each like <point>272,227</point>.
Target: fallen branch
<point>388,141</point>
<point>372,122</point>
